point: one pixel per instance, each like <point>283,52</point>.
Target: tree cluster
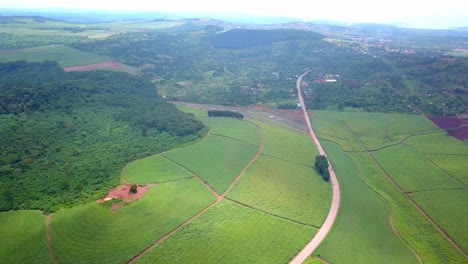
<point>321,165</point>
<point>66,136</point>
<point>224,113</point>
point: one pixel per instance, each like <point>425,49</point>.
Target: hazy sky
<point>352,11</point>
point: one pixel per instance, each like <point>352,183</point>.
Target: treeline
<point>224,113</point>
<point>241,38</point>
<point>66,136</point>
<point>321,165</point>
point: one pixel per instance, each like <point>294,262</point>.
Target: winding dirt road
<point>323,231</point>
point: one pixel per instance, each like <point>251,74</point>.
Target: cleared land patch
<point>285,189</point>
<point>23,235</point>
<point>231,233</point>
<point>154,169</point>
<point>233,128</point>
<point>362,233</point>
<point>93,233</point>
<point>449,208</point>
<point>412,171</point>
<point>217,160</point>
<point>63,55</point>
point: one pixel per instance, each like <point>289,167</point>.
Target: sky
<point>390,11</point>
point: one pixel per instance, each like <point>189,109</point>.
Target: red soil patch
<point>123,192</point>
<point>91,67</point>
<point>455,126</point>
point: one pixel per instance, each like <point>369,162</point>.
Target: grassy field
<point>412,171</point>
<point>217,160</point>
<point>287,144</point>
<point>93,233</point>
<point>65,56</point>
<point>285,189</point>
<point>233,128</point>
<point>195,112</point>
<point>231,233</point>
<point>449,209</point>
<point>23,235</point>
<point>362,233</point>
<point>153,169</point>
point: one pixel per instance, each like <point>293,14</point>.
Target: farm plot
<point>455,165</point>
<point>153,169</point>
<point>231,233</point>
<point>438,143</point>
<point>335,130</point>
<point>412,171</point>
<point>285,189</point>
<point>93,233</point>
<point>23,235</point>
<point>65,56</point>
<point>217,160</point>
<point>375,130</point>
<point>287,144</point>
<point>362,233</point>
<point>233,128</point>
<point>449,208</point>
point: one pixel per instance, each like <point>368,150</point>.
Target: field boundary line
<point>443,189</point>
<point>194,175</point>
<point>271,214</point>
<point>388,205</point>
<point>218,200</point>
<point>441,231</point>
<point>49,239</point>
<point>433,163</point>
<point>236,139</point>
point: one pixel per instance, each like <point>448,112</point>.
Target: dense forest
<point>241,38</point>
<point>66,136</point>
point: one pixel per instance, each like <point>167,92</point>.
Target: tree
<point>321,165</point>
<point>133,188</point>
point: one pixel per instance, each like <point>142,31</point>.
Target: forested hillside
<point>66,136</point>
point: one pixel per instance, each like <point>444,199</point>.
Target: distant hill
<point>241,38</point>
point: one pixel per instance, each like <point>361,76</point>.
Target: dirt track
<point>323,231</point>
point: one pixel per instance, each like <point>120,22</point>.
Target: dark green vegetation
<point>224,113</point>
<point>63,55</point>
<point>373,148</point>
<point>65,136</point>
<point>242,38</point>
<point>92,233</point>
<point>234,234</point>
<point>321,165</point>
<point>23,237</point>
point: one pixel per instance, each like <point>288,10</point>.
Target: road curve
<point>323,231</point>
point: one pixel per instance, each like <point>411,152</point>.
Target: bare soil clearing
<point>95,66</point>
<point>123,192</point>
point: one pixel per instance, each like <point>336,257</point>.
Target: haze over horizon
<point>418,13</point>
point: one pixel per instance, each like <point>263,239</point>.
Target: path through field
<point>218,196</point>
<point>323,231</point>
